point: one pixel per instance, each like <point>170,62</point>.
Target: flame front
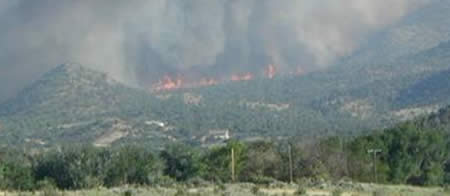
<point>207,82</point>
<point>168,83</point>
<point>241,77</point>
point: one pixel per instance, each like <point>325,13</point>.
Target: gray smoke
<point>137,41</point>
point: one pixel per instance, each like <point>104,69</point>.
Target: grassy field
<point>248,189</point>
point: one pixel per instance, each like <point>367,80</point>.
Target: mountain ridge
<point>76,104</point>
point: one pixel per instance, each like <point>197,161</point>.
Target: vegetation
<point>415,152</point>
<point>238,190</point>
<point>309,129</point>
<point>75,104</point>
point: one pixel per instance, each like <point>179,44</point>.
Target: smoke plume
<point>138,41</point>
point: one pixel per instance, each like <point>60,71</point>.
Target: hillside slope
<point>75,104</point>
<point>72,103</point>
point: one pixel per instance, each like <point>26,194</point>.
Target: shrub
<point>46,183</point>
<point>300,191</point>
<point>262,180</point>
<point>17,176</point>
<point>197,182</point>
<point>164,181</point>
<point>447,188</point>
<point>337,192</point>
<point>180,192</point>
<point>255,190</point>
<point>50,191</point>
<point>379,193</point>
<point>128,193</point>
<point>221,186</point>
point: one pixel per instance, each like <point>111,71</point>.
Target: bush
<point>197,182</point>
<point>50,191</point>
<point>132,165</point>
<point>255,190</point>
<point>304,182</point>
<point>447,188</point>
<point>128,193</point>
<point>17,176</point>
<point>300,191</point>
<point>337,192</point>
<point>180,192</point>
<point>46,184</point>
<point>379,193</point>
<point>221,186</point>
<point>263,180</point>
<point>92,182</point>
<point>164,181</point>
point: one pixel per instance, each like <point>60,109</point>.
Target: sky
<point>139,41</point>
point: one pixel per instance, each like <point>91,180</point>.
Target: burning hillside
<point>179,81</point>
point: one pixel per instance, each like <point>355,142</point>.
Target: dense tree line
<point>410,154</point>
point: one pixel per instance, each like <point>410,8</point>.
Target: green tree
<point>218,161</point>
<point>15,171</point>
<point>266,162</point>
<point>181,162</point>
<point>133,165</point>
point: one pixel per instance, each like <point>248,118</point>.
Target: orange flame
<point>207,82</point>
<point>241,77</point>
<point>167,83</point>
<point>270,71</point>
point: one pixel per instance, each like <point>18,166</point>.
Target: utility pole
<point>290,164</point>
<point>344,153</point>
<point>374,152</point>
<point>233,178</point>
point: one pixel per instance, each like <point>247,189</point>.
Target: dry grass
<point>245,190</point>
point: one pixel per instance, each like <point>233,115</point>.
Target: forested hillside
<point>72,103</point>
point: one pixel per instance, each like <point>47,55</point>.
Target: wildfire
<point>207,82</point>
<point>270,71</point>
<point>242,77</point>
<point>168,83</point>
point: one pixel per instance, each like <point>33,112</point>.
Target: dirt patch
<point>358,108</point>
<point>410,113</point>
<point>118,130</point>
<point>278,191</point>
<point>270,106</point>
<point>192,99</point>
<point>318,193</point>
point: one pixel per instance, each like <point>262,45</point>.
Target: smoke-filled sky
<point>137,41</point>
